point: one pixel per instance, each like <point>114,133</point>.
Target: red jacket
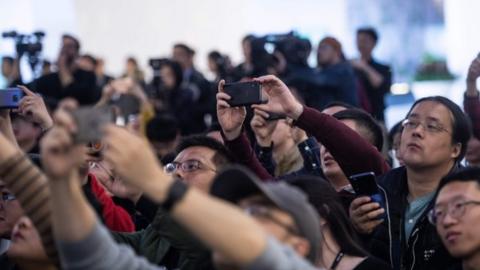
<point>116,218</point>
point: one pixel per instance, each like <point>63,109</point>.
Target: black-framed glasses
<point>265,212</point>
<point>8,197</point>
<point>455,209</point>
<point>187,166</point>
<point>429,126</point>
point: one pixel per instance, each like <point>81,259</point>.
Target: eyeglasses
<point>8,197</point>
<point>430,127</point>
<point>187,166</point>
<point>265,212</point>
<point>455,209</point>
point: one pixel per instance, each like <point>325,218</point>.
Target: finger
<point>261,113</point>
<point>357,202</point>
<point>223,96</point>
<point>262,107</point>
<point>366,208</point>
<point>222,104</point>
<point>221,84</point>
<point>27,91</point>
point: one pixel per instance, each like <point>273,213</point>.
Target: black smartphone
<point>244,93</point>
<point>365,184</point>
<point>90,121</point>
<point>275,116</point>
<point>10,97</point>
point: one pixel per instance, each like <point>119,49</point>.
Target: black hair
<point>90,58</point>
<point>327,202</point>
<point>162,128</point>
<point>468,174</point>
<point>74,39</point>
<point>8,59</point>
<point>397,128</point>
<point>369,31</point>
<point>222,155</point>
<point>461,129</point>
<point>340,104</point>
<point>220,62</point>
<point>190,51</point>
<point>366,122</point>
<point>177,71</point>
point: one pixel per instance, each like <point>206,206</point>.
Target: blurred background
<point>428,43</point>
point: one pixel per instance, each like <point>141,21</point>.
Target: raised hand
<point>262,128</point>
<point>364,214</point>
<point>32,107</point>
<point>280,99</point>
<point>230,119</point>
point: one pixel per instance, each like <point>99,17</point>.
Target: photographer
<point>69,80</point>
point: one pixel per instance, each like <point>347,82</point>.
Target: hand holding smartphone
<point>10,98</point>
<point>365,184</point>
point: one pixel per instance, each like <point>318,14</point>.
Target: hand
<point>34,109</point>
<point>364,214</point>
<point>280,99</point>
<point>113,184</point>
<point>137,168</point>
<point>67,104</point>
<point>359,64</point>
<point>262,128</point>
<point>230,119</point>
<point>473,74</point>
<point>60,157</point>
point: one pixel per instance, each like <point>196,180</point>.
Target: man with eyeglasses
<point>456,215</point>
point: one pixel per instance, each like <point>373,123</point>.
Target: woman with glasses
<point>456,214</point>
<point>433,142</point>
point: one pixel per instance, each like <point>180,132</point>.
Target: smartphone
<point>244,93</point>
<point>10,97</point>
<point>90,122</point>
<point>365,184</point>
<point>275,116</point>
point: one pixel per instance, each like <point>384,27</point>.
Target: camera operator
<point>69,80</point>
<point>11,71</point>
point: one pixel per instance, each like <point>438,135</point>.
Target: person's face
<point>325,54</point>
<point>26,244</point>
<point>85,64</point>
<point>421,147</point>
<point>6,68</point>
<point>330,167</point>
<point>212,66</point>
<point>456,225</point>
<point>99,69</point>
<point>247,50</point>
<point>168,77</point>
<point>202,176</point>
<point>473,152</point>
<point>365,44</point>
<point>10,212</point>
<point>182,57</point>
<point>69,48</point>
<point>25,132</point>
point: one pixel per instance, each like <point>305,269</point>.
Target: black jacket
<point>423,249</point>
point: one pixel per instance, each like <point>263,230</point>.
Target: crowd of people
<point>180,179</point>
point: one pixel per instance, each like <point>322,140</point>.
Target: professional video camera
<point>294,48</point>
<point>27,44</point>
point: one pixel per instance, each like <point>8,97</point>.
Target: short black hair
<point>369,31</point>
<point>222,155</point>
<point>366,122</point>
<point>162,128</point>
<point>90,58</point>
<point>75,40</point>
<point>8,59</point>
<point>185,47</point>
<point>461,128</point>
<point>468,174</point>
<point>340,104</point>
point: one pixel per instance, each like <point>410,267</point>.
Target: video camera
<point>27,44</point>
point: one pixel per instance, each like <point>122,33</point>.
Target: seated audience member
<point>374,79</point>
<point>455,215</point>
<point>163,133</point>
<point>26,250</point>
<point>69,80</point>
<point>433,142</point>
<point>340,246</point>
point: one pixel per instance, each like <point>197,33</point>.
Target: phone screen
<point>243,93</point>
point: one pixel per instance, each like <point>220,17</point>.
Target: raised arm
<point>471,102</point>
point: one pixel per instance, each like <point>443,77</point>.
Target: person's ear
<point>301,246</point>
<point>456,149</point>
